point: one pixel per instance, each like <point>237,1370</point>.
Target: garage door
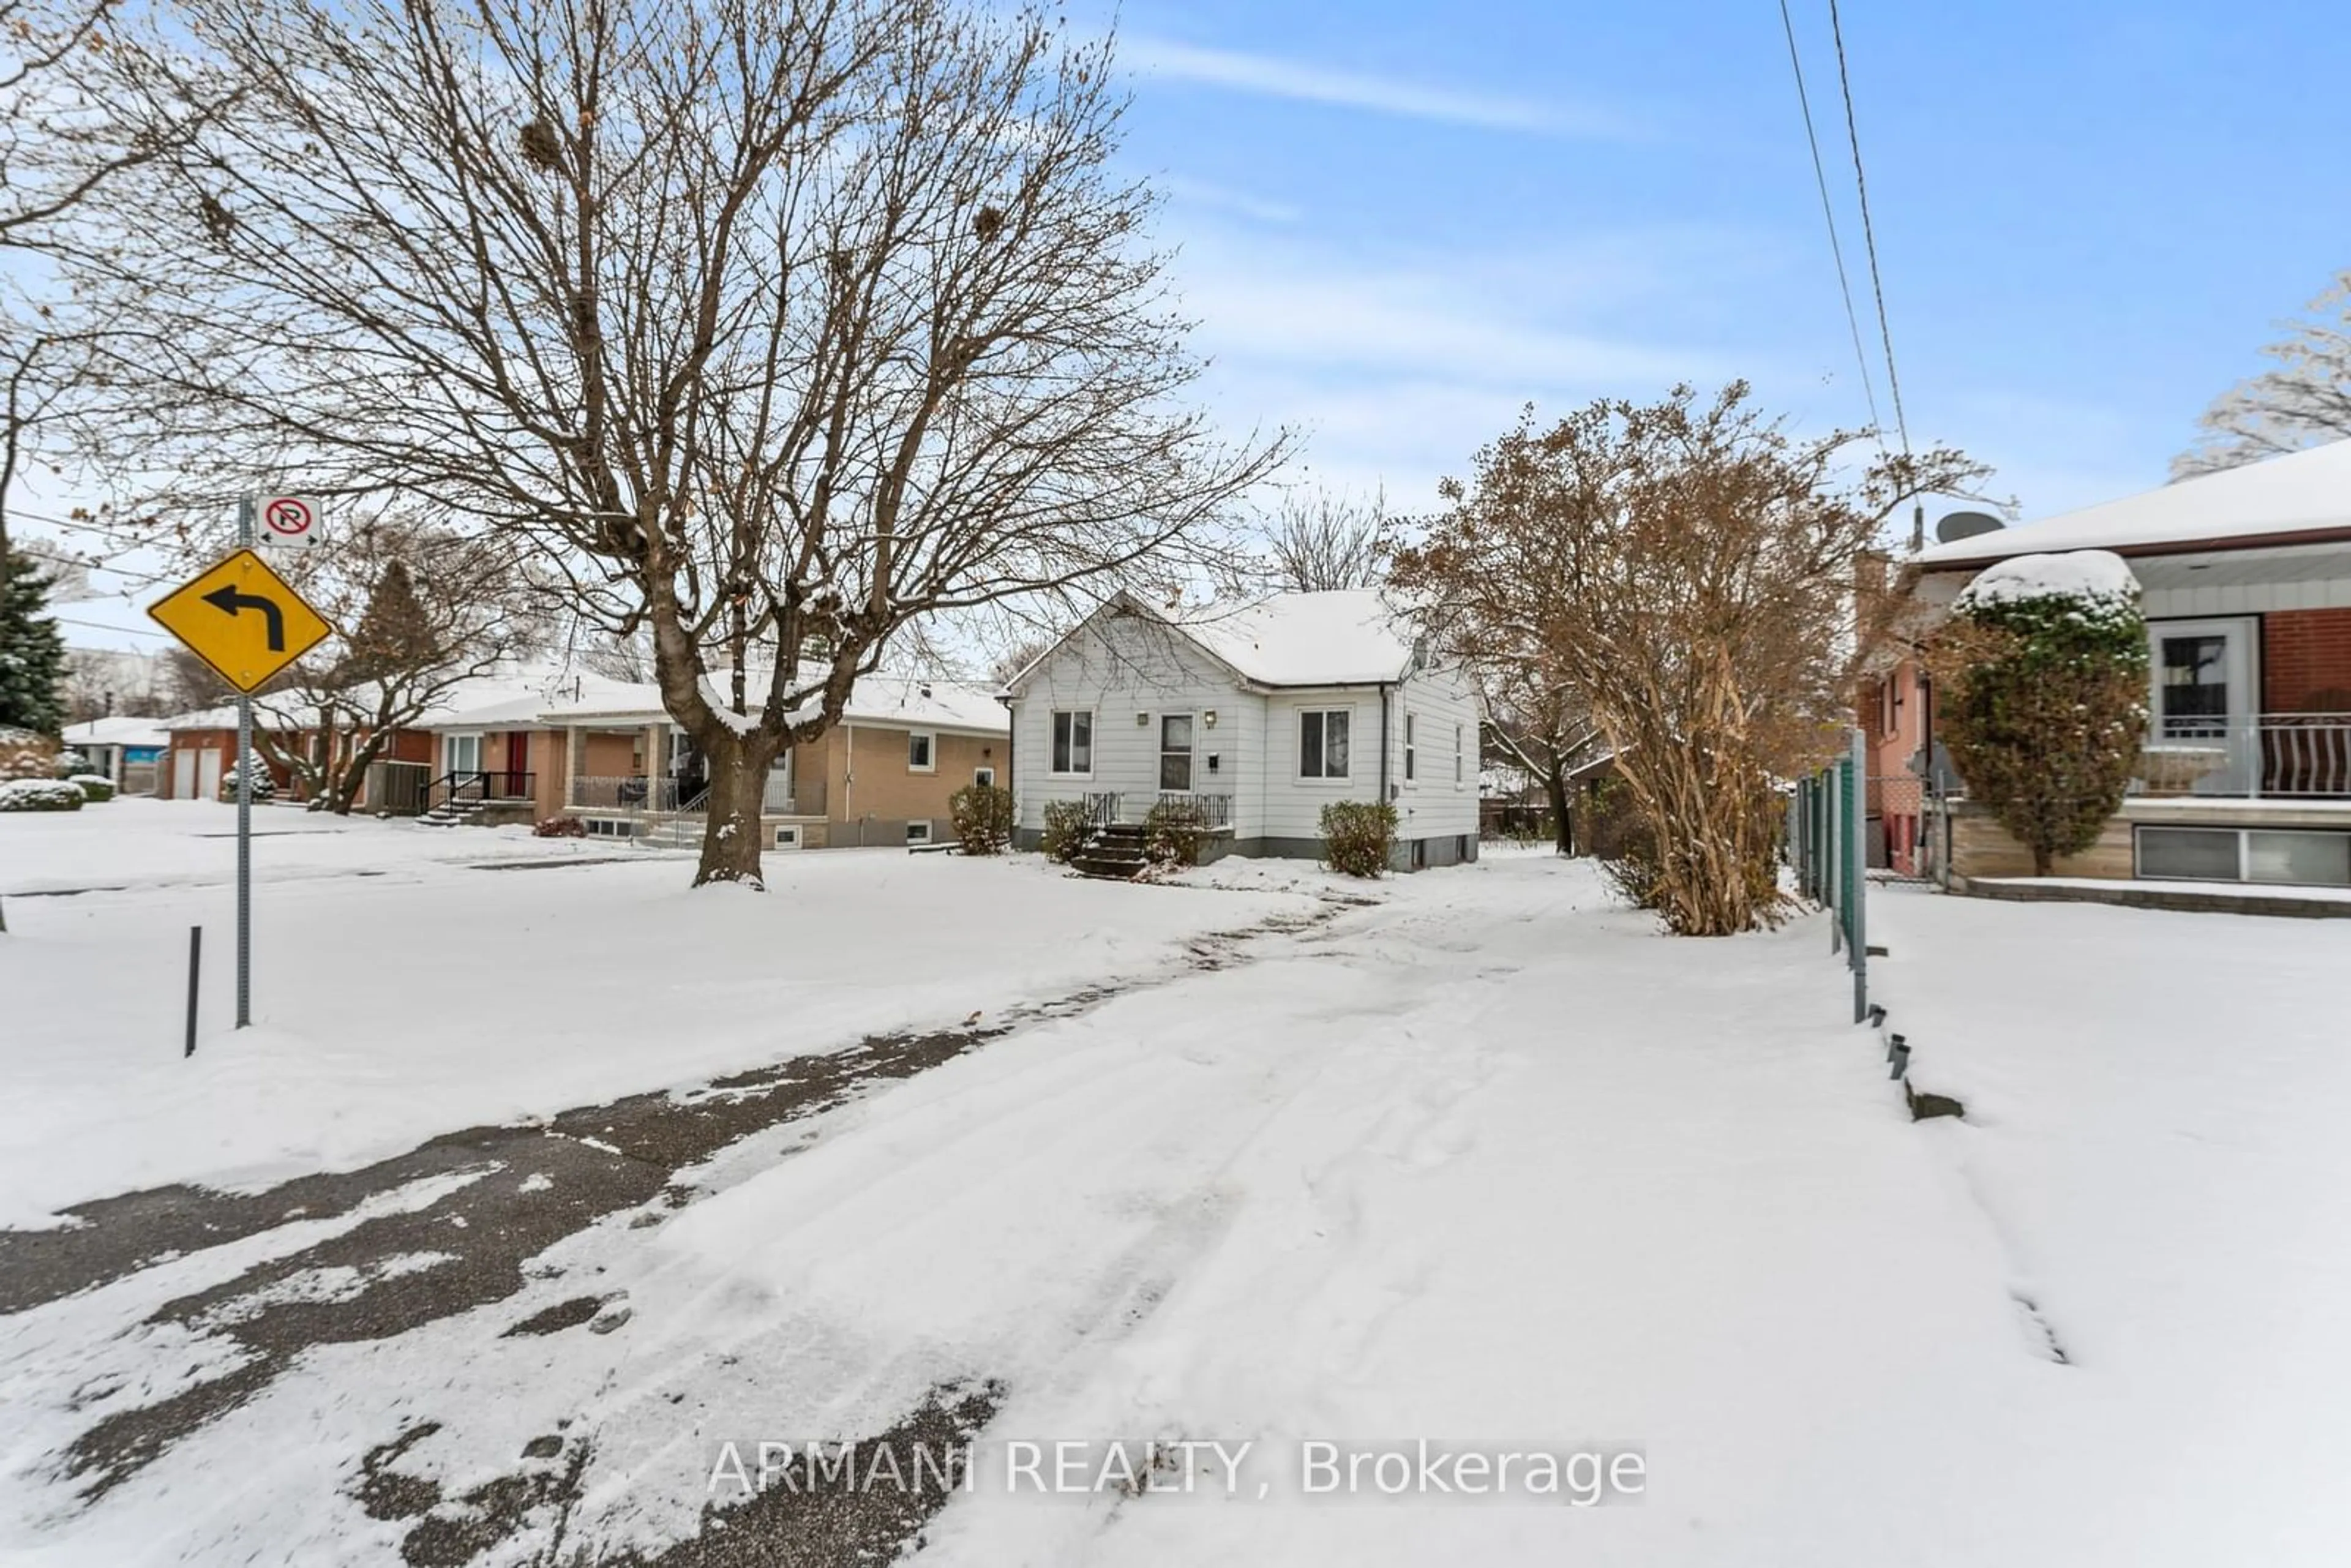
<point>208,776</point>
<point>183,775</point>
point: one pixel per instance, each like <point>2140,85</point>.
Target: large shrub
<point>94,786</point>
<point>2042,673</point>
<point>26,754</point>
<point>1066,828</point>
<point>41,795</point>
<point>982,815</point>
<point>558,828</point>
<point>1358,836</point>
<point>1173,832</point>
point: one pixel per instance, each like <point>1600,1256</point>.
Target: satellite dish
<point>1966,526</point>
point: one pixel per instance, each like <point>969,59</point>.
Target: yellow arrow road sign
<point>243,619</point>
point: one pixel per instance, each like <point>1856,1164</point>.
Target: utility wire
<point>1868,235</point>
<point>1828,211</point>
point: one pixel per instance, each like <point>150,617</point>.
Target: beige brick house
<point>607,753</point>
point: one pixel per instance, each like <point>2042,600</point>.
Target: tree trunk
<point>1562,826</point>
<point>738,788</point>
<point>2041,859</point>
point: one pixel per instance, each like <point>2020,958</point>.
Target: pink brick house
<point>2245,577</point>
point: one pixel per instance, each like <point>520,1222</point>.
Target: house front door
<point>1175,753</point>
<point>461,753</point>
<point>2200,723</point>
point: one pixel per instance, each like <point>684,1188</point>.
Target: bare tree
<point>1534,719</point>
<point>422,610</point>
<point>2302,400</point>
<point>1686,573</point>
<point>88,94</point>
<point>1321,541</point>
<point>769,327</point>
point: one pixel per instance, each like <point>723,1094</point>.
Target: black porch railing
<point>463,789</point>
<point>1110,806</point>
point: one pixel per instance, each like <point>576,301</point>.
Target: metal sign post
<point>245,814</point>
<point>247,623</point>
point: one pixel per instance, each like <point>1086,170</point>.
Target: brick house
<point>607,752</point>
<point>2245,579</point>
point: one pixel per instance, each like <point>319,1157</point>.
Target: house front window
<point>1073,741</point>
<point>1457,757</point>
<point>1411,750</point>
<point>922,752</point>
<point>461,753</point>
<point>1322,743</point>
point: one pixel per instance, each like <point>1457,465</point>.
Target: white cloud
<point>1305,83</point>
<point>1187,191</point>
<point>1396,369</point>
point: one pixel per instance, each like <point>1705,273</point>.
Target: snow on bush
<point>982,815</point>
<point>41,795</point>
<point>265,785</point>
<point>1358,836</point>
<point>2093,577</point>
<point>1066,827</point>
<point>2044,667</point>
<point>26,755</point>
<point>94,786</point>
<point>1173,832</point>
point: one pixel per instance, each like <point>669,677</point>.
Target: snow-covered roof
<point>117,730</point>
<point>2286,500</point>
<point>1343,637</point>
<point>910,702</point>
<point>1339,638</point>
<point>520,699</point>
<point>206,718</point>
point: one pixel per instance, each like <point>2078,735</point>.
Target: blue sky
<point>1398,222</point>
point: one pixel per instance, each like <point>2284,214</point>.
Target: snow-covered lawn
<point>1482,1159</point>
<point>2156,1105</point>
<point>400,991</point>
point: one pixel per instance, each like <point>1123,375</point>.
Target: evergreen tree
<point>2041,678</point>
<point>394,636</point>
<point>32,652</point>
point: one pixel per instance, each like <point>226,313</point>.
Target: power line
<point>1828,211</point>
<point>1868,235</point>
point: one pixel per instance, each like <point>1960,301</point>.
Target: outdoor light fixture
<point>1209,719</point>
<point>1142,719</point>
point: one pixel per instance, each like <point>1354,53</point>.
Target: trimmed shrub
<point>94,786</point>
<point>558,828</point>
<point>41,795</point>
<point>982,815</point>
<point>2041,679</point>
<point>26,754</point>
<point>1066,827</point>
<point>1358,837</point>
<point>1173,831</point>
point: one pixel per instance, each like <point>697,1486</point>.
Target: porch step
<point>450,813</point>
<point>1114,853</point>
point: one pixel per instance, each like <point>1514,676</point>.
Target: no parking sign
<point>291,520</point>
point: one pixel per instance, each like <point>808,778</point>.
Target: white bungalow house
<point>1258,716</point>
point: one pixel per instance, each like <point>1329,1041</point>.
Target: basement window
<point>2290,857</point>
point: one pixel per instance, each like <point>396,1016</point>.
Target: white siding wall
<point>1431,804</point>
<point>1293,806</point>
<point>1119,667</point>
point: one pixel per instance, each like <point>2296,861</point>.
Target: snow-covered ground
<point>2156,1105</point>
<point>400,990</point>
<point>1473,1156</point>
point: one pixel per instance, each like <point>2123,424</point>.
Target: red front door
<point>518,760</point>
